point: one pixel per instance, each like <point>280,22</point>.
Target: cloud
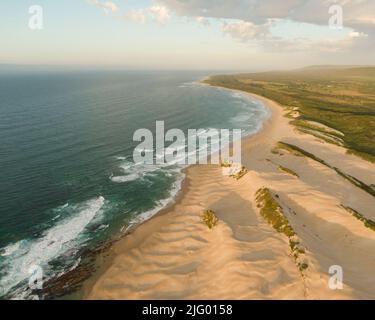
<point>251,21</point>
<point>256,11</point>
<point>108,6</point>
<point>136,16</point>
<point>246,31</point>
<point>358,14</point>
<point>203,21</point>
<point>324,45</point>
<point>355,34</point>
<point>159,13</point>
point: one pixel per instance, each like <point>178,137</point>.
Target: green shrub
<point>210,219</point>
<point>240,174</point>
<point>273,213</point>
<point>288,171</point>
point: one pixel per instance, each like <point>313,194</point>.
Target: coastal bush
<point>210,219</point>
<point>289,171</point>
<point>226,164</point>
<point>303,266</point>
<point>273,213</point>
<point>367,222</point>
<point>276,151</point>
<point>323,137</point>
<point>233,170</point>
<point>240,174</point>
<point>284,146</point>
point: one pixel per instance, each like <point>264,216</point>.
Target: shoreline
<point>135,271</point>
<point>107,258</point>
<point>112,251</point>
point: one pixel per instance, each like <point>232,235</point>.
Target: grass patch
<point>303,266</point>
<point>276,151</point>
<point>300,123</point>
<point>288,171</point>
<point>367,222</point>
<point>284,146</point>
<point>238,170</point>
<point>240,174</point>
<point>210,219</point>
<point>322,137</point>
<point>226,164</point>
<point>273,213</point>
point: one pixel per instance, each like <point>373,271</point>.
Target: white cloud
<point>358,14</point>
<point>203,21</point>
<point>107,6</point>
<point>355,34</point>
<point>246,31</point>
<point>249,21</point>
<point>159,13</point>
<point>136,16</point>
<point>323,45</point>
<point>256,11</point>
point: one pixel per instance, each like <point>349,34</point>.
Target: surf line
<point>203,146</point>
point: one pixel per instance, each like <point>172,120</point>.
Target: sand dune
<point>175,255</point>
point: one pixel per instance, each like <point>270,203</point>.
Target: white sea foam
<point>188,84</point>
<point>11,248</point>
<point>144,216</point>
<point>103,226</point>
<point>240,118</point>
<point>252,116</point>
<point>54,242</point>
<point>134,171</point>
<point>120,158</point>
<point>127,178</point>
<point>57,217</point>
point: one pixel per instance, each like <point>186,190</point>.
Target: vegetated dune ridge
<point>325,194</point>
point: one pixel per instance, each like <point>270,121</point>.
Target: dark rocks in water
<point>68,282</point>
<point>72,280</point>
<point>93,227</point>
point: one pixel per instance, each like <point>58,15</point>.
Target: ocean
<point>68,181</point>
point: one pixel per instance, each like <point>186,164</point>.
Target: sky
<point>248,35</point>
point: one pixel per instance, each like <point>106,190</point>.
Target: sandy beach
<point>176,256</point>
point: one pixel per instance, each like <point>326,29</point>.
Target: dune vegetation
<point>288,171</point>
<point>210,219</point>
<point>367,222</point>
<point>273,213</point>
